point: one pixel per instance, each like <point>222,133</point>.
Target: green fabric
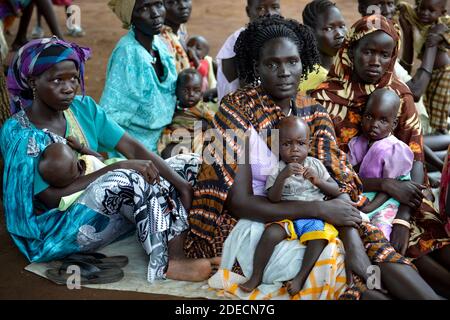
<point>371,196</point>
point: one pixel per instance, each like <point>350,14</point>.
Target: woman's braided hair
<point>314,9</point>
<point>252,39</point>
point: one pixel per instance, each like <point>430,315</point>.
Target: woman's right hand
<point>406,192</point>
<point>340,213</point>
<point>145,167</point>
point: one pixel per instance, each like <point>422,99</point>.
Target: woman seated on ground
<point>139,91</point>
<point>366,63</point>
<point>435,147</point>
<point>147,195</point>
<point>328,24</point>
<point>273,53</point>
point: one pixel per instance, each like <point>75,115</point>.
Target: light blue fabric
<point>101,132</point>
<point>52,234</point>
<point>133,95</point>
<point>390,201</point>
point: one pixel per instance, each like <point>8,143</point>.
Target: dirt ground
<point>213,19</point>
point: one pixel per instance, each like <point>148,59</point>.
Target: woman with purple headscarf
<point>149,195</point>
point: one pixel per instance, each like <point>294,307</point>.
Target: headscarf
<point>339,87</point>
<point>345,98</point>
<point>36,57</point>
<point>123,10</point>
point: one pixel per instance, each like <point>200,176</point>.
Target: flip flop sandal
<point>89,274</point>
<point>98,259</point>
<point>120,261</point>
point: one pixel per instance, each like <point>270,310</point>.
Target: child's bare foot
<point>250,284</point>
<point>295,285</point>
<point>215,261</point>
<point>189,269</point>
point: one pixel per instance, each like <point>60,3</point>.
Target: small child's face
<point>294,143</point>
<point>189,92</point>
<point>199,47</point>
<point>429,11</point>
<point>379,119</point>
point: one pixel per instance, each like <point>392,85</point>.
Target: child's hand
<point>74,144</point>
<point>311,176</point>
<point>436,34</point>
<point>292,169</point>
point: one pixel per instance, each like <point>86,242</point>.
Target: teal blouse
<point>134,96</point>
<point>102,134</point>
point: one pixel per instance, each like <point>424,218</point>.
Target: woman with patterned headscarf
<point>139,91</point>
<point>366,63</point>
<point>147,195</point>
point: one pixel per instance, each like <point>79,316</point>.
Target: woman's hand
<point>341,213</point>
<point>406,192</point>
<point>145,167</point>
<point>400,238</point>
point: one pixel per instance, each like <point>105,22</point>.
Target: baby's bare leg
<point>272,236</point>
<point>313,250</point>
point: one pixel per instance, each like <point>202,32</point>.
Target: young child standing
<point>198,49</point>
<point>429,16</point>
<point>377,153</point>
<point>191,111</point>
<point>298,177</point>
<point>38,31</point>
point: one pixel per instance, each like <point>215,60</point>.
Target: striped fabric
<point>437,99</point>
<point>346,98</point>
<point>327,280</point>
<point>250,107</point>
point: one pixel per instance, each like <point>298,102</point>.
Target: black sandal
<point>98,259</point>
<point>89,273</point>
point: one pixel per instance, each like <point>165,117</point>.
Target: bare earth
<point>213,19</point>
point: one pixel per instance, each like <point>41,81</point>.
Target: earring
<point>34,92</point>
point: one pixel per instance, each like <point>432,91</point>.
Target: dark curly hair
<point>252,39</point>
<point>314,9</point>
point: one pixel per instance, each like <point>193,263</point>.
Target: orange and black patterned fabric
<point>250,107</point>
<point>345,99</point>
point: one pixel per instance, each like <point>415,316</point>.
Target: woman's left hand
<point>186,195</point>
<point>400,238</point>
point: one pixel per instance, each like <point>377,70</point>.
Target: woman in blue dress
<point>139,91</point>
<point>149,195</point>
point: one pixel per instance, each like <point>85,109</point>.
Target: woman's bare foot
<point>250,284</point>
<point>189,269</point>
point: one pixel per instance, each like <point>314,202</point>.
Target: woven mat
<point>135,278</point>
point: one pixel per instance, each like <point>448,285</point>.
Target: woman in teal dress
<point>148,195</point>
<point>139,91</point>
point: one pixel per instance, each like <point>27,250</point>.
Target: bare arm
<point>329,187</point>
<point>419,82</point>
<point>243,204</point>
<point>132,150</point>
<point>379,199</point>
<point>229,69</point>
<point>408,49</point>
<point>276,190</point>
